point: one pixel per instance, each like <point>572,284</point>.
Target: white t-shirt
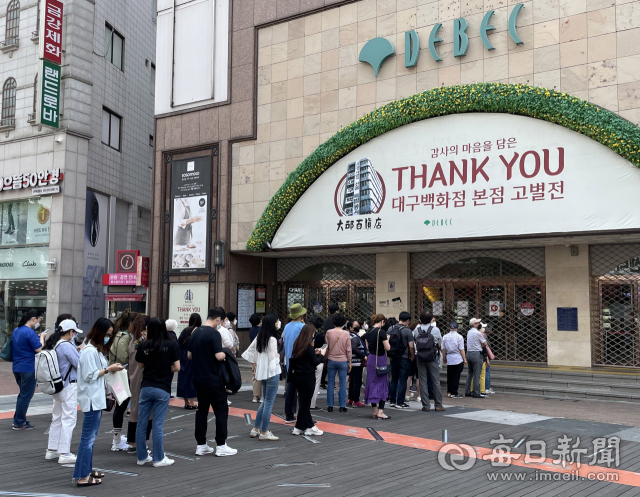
<point>474,340</point>
<point>453,343</point>
<point>227,337</point>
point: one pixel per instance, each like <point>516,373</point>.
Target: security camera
<point>58,140</point>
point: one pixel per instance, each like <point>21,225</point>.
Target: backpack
<point>396,342</point>
<point>425,346</point>
<point>48,371</point>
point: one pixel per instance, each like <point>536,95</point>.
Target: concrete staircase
<point>587,383</point>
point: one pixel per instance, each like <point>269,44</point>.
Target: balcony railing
<point>9,45</point>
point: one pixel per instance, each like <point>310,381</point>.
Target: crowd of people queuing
<point>385,355</point>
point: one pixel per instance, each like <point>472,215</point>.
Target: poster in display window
<point>25,222</point>
<point>190,215</point>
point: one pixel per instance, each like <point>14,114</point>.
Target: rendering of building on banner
<point>345,175</point>
<point>76,158</point>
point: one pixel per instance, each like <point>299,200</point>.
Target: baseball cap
<point>69,324</point>
<point>453,325</point>
<point>474,321</point>
<point>484,325</point>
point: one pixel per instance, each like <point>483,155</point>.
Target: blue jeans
<point>90,427</point>
<point>341,368</point>
<point>158,400</point>
<point>399,373</point>
<point>487,378</point>
<point>27,384</point>
<point>269,391</point>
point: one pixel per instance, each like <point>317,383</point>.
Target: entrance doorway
<point>316,283</point>
<point>506,289</point>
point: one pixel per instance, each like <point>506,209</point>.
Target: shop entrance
<point>316,283</point>
<point>505,289</point>
<point>615,305</point>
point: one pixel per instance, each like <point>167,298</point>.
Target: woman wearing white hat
<point>65,402</point>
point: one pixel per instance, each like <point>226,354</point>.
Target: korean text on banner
<point>48,109</point>
<point>51,32</point>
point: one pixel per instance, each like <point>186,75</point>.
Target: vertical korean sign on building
<point>50,74</point>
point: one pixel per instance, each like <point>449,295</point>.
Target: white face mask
<point>218,326</point>
<point>235,321</point>
<point>226,323</point>
<point>366,326</point>
<point>36,326</point>
<point>433,323</point>
<point>278,324</point>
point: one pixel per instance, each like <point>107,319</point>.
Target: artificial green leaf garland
<point>620,135</point>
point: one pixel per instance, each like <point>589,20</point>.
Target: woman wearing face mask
<point>377,390</point>
<point>65,402</point>
<point>358,359</point>
<point>263,356</point>
<point>230,323</point>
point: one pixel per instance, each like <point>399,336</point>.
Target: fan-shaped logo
<point>188,296</point>
<point>375,52</point>
<point>361,191</point>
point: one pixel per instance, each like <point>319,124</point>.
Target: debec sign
<point>379,49</point>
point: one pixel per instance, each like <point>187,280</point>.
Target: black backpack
<point>396,342</point>
<point>425,344</point>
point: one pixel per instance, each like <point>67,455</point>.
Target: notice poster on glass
<point>463,307</point>
<point>190,210</point>
<point>38,220</point>
<point>438,307</point>
<point>246,305</point>
<point>186,299</point>
<point>95,257</point>
<point>494,307</point>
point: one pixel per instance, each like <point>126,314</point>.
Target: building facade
<point>482,201</point>
<point>55,245</point>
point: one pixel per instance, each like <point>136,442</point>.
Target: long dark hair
<point>138,326</point>
<point>97,334</point>
<point>156,332</point>
<point>124,320</point>
<point>267,330</point>
<point>195,320</point>
<point>304,339</point>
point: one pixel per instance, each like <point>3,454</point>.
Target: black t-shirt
<point>328,324</point>
<point>372,336</point>
<point>204,344</point>
<point>157,365</point>
<point>305,364</point>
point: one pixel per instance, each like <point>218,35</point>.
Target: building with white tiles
<point>54,247</point>
<point>511,200</point>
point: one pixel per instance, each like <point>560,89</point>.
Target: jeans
<point>487,377</point>
<point>27,384</point>
<point>399,374</point>
<point>90,428</point>
<point>65,415</point>
<point>158,400</point>
<point>474,363</point>
<point>355,383</point>
<point>429,374</point>
<point>341,368</point>
<point>216,398</point>
<point>304,384</point>
<point>270,389</point>
<point>453,377</point>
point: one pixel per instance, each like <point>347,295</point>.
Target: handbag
<point>6,353</point>
<point>118,382</point>
<point>384,370</point>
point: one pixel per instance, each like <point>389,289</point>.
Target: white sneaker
<point>269,437</point>
<point>67,458</point>
<point>225,450</point>
<point>144,461</point>
<point>165,462</point>
<point>313,431</point>
<point>228,402</point>
<point>201,450</point>
<point>490,390</point>
<point>254,433</point>
<point>297,431</point>
<point>261,401</point>
<point>50,455</point>
<point>123,445</point>
<point>255,400</point>
<point>419,399</point>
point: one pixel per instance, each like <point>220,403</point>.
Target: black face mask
<point>356,329</point>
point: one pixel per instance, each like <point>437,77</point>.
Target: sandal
<point>95,474</point>
<point>385,417</point>
<point>89,483</point>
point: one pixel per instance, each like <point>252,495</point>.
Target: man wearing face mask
<point>230,323</point>
<point>428,371</point>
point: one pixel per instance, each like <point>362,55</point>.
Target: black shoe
<point>477,396</point>
<point>343,409</point>
<point>467,395</point>
<point>290,421</point>
<point>323,387</point>
<point>315,409</point>
<point>330,409</point>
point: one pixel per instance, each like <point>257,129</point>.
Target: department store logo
<point>379,49</point>
<point>361,191</point>
<point>188,296</point>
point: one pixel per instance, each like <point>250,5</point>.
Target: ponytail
<point>53,339</point>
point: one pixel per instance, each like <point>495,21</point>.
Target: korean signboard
<point>466,176</point>
<point>50,47</point>
<point>186,299</point>
<point>191,215</point>
<point>48,105</point>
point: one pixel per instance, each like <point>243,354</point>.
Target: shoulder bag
<point>384,370</point>
<point>326,356</point>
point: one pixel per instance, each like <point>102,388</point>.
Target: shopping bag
<point>6,353</point>
<point>118,383</point>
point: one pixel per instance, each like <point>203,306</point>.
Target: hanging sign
<point>50,29</point>
<point>48,103</point>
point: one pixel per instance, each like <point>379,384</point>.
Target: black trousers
<point>355,383</point>
<point>290,399</point>
<point>304,386</point>
<point>453,377</point>
<point>216,398</point>
<point>118,413</point>
<point>131,431</point>
<point>323,379</point>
